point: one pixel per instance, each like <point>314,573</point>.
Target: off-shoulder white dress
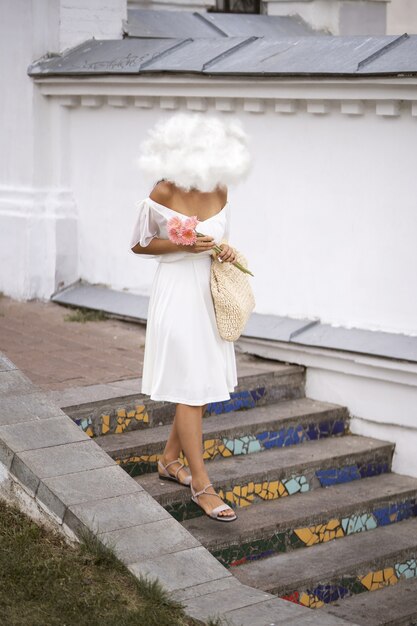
<point>185,358</point>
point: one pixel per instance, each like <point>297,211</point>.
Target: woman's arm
<point>163,246</point>
<point>156,246</point>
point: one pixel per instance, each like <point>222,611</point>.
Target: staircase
<point>322,521</point>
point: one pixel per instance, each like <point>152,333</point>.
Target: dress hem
<point>194,403</point>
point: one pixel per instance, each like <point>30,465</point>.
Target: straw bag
<point>232,296</point>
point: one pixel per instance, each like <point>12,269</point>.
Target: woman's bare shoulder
<point>162,192</point>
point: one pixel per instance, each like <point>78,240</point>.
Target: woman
<point>185,360</point>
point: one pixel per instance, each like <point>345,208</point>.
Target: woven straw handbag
<point>232,296</point>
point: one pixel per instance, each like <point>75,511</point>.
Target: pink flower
<point>191,222</point>
<point>182,231</point>
<point>175,222</point>
<point>175,235</point>
<point>188,236</point>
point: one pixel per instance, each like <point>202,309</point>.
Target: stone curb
<point>81,487</point>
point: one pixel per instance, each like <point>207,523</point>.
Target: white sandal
<point>214,514</point>
<point>167,476</point>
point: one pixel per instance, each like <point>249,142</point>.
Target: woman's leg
<point>189,431</point>
<point>172,451</point>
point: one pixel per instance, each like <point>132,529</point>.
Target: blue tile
<point>329,593</point>
<point>338,475</point>
<point>312,432</point>
<point>373,469</point>
<point>338,427</point>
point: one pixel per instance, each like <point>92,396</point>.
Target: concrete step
<point>322,515</point>
<point>280,424</point>
<point>243,480</point>
<point>260,382</point>
<point>391,606</point>
<point>328,572</point>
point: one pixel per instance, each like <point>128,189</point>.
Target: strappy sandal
<point>167,476</point>
<point>214,514</point>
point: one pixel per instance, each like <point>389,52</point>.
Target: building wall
<point>327,217</point>
<point>38,215</point>
<point>336,17</point>
<point>402,17</point>
<point>172,5</point>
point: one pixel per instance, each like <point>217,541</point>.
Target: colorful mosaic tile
<point>86,424</point>
<point>408,569</point>
<point>244,495</point>
<point>350,585</point>
<point>320,533</point>
<point>337,475</point>
<point>139,465</point>
<point>246,399</point>
<point>115,422</point>
<point>220,447</point>
<point>358,523</point>
<point>292,539</point>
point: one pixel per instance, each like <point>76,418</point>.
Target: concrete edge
<point>307,332</point>
<point>58,473</point>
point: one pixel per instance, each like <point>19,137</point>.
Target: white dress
<point>185,358</point>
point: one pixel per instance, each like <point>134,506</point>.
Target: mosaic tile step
<point>277,425</point>
<point>331,571</point>
<point>244,480</point>
<point>319,516</point>
<point>395,605</point>
<point>117,415</point>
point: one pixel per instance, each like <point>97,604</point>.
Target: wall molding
<point>352,97</point>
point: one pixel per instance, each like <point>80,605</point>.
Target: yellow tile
<point>119,429</point>
<point>251,487</point>
<point>310,600</point>
<point>131,413</point>
<point>281,490</point>
<point>105,428</point>
<point>273,488</point>
<point>140,408</point>
<point>307,536</point>
<point>258,488</point>
<point>332,524</point>
<point>146,418</point>
<point>381,578</point>
<point>105,419</point>
<point>89,432</point>
<point>121,413</point>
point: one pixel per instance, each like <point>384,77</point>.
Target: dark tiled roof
<point>207,43</point>
<point>256,56</point>
<point>182,24</point>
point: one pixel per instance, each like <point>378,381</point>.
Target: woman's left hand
<point>227,253</point>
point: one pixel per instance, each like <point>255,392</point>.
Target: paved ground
<point>58,354</point>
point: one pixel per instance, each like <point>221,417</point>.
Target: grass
<point>46,582</point>
<point>85,315</point>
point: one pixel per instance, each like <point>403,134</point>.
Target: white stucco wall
<point>327,217</point>
<point>402,17</point>
<point>172,5</point>
<point>337,17</point>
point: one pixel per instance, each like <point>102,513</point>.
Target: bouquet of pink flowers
<point>184,233</point>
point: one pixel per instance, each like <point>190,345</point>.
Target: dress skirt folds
<point>185,358</point>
